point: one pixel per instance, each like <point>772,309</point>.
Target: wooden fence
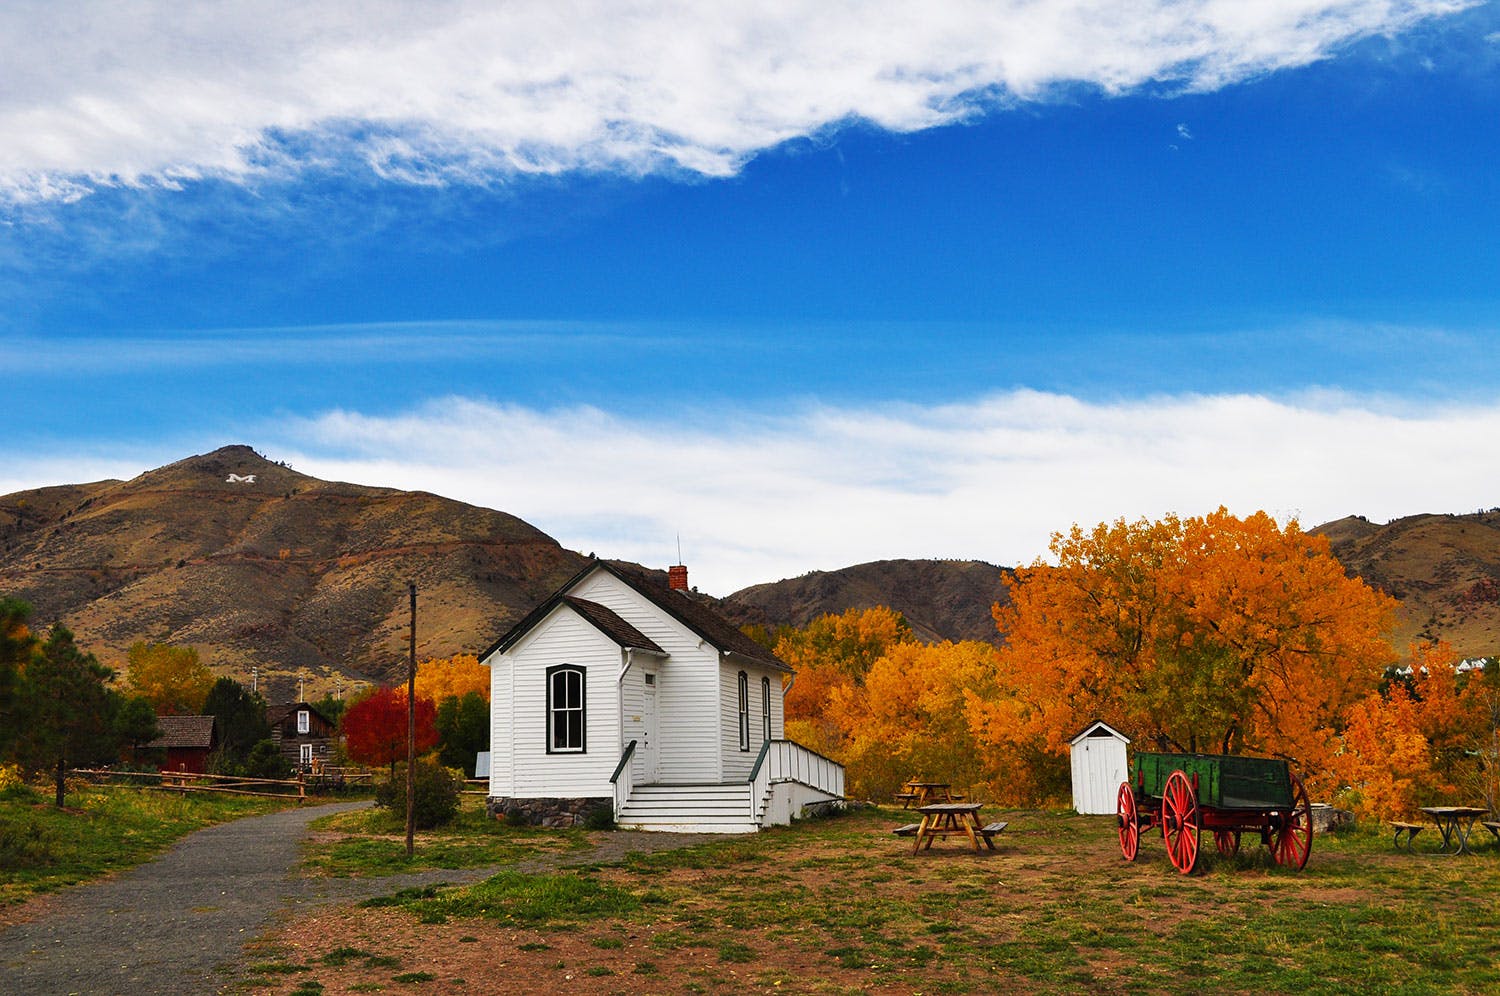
<point>184,782</point>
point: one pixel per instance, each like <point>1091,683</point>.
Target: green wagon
<point>1228,795</point>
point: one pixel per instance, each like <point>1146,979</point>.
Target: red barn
<point>188,740</point>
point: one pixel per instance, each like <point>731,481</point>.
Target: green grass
<point>370,842</point>
<point>1056,910</point>
<point>102,830</point>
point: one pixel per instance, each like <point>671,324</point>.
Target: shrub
<point>266,761</point>
<point>435,794</point>
<point>599,818</point>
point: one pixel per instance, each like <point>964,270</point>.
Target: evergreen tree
<point>463,726</point>
<point>68,708</point>
<point>239,716</point>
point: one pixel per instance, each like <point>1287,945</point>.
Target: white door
<point>649,754</point>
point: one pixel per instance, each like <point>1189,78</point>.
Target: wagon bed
<point>1226,794</point>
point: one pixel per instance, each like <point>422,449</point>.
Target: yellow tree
<point>452,677</point>
<point>831,655</point>
<point>910,717</point>
<point>1385,762</point>
<point>172,679</point>
<point>1458,711</point>
<point>1213,634</point>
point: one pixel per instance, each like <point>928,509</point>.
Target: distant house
<point>188,741</point>
<point>626,695</point>
<point>303,734</point>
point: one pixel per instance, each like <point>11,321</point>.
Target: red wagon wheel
<point>1291,842</point>
<point>1181,823</point>
<point>1130,824</point>
<point>1228,842</point>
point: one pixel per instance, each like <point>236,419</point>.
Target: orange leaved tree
<point>832,655</point>
<point>1212,633</point>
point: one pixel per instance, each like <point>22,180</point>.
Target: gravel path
<point>177,925</point>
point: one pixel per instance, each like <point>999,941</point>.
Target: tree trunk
<point>62,778</point>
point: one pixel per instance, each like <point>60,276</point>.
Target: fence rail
<point>184,782</point>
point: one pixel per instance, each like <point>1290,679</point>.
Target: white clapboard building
<point>624,695</point>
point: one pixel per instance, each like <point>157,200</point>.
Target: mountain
<point>941,599</point>
<point>259,566</point>
<point>1444,569</point>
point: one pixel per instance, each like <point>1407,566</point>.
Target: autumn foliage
<point>1430,736</point>
<point>1213,634</point>
<point>375,727</point>
<point>1210,634</point>
<point>452,677</point>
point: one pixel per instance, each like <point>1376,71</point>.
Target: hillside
<point>941,599</point>
<point>285,573</point>
<point>1444,569</point>
<point>295,576</point>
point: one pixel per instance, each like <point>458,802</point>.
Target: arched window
<point>744,711</point>
<point>765,708</point>
<point>565,709</point>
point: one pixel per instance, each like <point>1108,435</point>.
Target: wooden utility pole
<point>411,727</point>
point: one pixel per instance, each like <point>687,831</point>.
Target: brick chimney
<point>677,577</point>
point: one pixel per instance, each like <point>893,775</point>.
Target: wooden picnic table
<point>1454,823</point>
<point>915,795</point>
<point>940,819</point>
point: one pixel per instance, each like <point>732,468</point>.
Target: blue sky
<point>803,288</point>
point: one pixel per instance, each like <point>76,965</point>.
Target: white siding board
<point>502,767</point>
<point>563,638</point>
<point>737,763</point>
<point>687,693</point>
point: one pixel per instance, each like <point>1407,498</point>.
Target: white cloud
<point>163,93</point>
<point>757,497</point>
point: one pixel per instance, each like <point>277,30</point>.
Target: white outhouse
<point>1098,755</point>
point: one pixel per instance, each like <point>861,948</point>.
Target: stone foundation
<point>546,812</point>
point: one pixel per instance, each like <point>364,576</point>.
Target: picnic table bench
<point>1410,829</point>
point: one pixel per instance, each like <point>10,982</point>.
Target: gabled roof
<point>185,731</point>
<point>611,625</point>
<point>1098,728</point>
<point>702,620</point>
<point>282,711</point>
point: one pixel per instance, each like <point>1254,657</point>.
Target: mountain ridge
<point>270,571</point>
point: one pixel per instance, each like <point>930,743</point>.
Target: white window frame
<point>304,721</point>
<point>765,706</point>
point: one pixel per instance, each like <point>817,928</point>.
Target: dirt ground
<point>680,946</point>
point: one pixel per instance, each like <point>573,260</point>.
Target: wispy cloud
<point>757,497</point>
<point>161,94</point>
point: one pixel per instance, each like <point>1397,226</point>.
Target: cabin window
<point>565,709</point>
<point>744,711</point>
<point>304,721</point>
<point>765,708</point>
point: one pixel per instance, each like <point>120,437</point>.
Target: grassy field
<point>101,830</point>
<point>373,842</point>
<point>841,906</point>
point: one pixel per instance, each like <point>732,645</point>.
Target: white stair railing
<point>789,761</point>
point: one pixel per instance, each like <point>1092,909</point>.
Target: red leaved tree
<point>375,728</point>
